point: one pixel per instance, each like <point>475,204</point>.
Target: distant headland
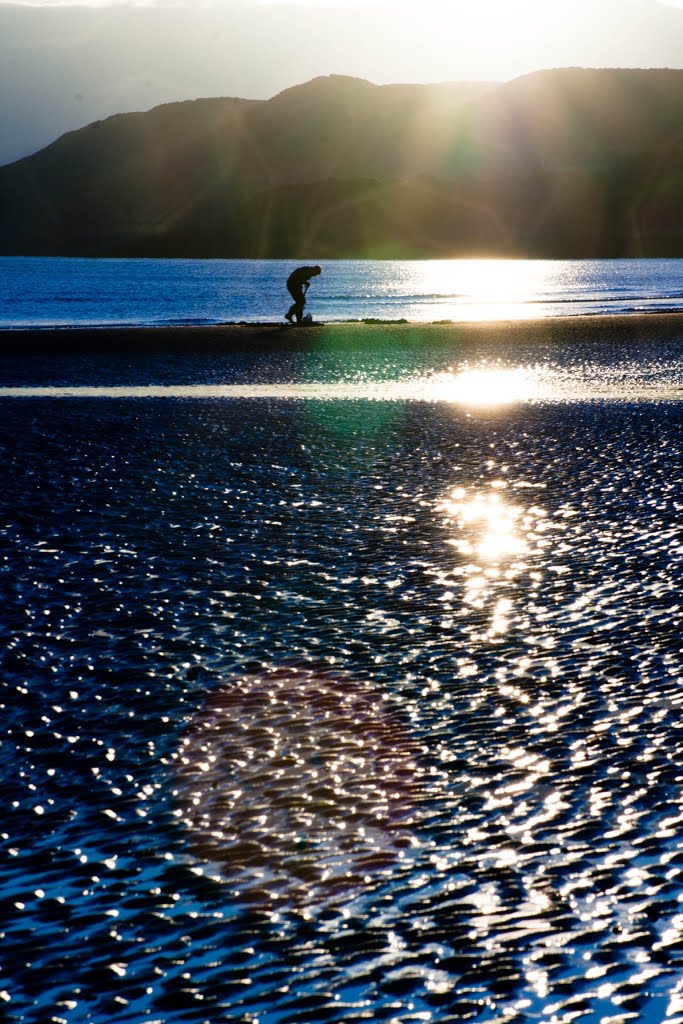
<point>564,163</point>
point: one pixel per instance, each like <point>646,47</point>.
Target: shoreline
<point>234,337</point>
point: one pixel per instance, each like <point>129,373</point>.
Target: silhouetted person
<point>297,286</point>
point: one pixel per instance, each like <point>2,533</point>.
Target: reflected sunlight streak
<point>487,289</point>
<point>486,386</point>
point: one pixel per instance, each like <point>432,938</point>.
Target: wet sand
<point>483,617</point>
<point>233,337</point>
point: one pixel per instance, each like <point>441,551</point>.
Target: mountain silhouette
<point>563,163</point>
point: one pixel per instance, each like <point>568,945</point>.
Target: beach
<point>380,695</point>
<point>233,337</point>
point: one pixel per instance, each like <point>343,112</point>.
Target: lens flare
<point>298,786</point>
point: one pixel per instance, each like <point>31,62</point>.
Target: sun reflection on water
<point>496,542</point>
<point>490,528</point>
<point>488,289</point>
<point>486,386</point>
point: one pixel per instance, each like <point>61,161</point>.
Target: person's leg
<point>297,307</point>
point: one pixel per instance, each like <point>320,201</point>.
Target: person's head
<point>316,271</point>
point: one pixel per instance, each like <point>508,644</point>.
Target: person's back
<point>301,276</point>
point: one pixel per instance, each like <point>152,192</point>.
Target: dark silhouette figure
<point>297,286</point>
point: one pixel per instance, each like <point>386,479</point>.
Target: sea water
<point>342,689</point>
<point>47,292</point>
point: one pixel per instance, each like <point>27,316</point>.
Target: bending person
<point>297,286</point>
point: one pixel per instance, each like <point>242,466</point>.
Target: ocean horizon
<point>47,292</point>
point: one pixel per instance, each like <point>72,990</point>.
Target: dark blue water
<point>339,711</point>
<point>46,292</point>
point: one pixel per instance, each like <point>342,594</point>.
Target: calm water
<point>342,705</point>
<point>49,292</point>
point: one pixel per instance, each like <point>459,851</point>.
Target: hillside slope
<point>569,162</point>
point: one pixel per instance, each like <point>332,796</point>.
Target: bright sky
<point>390,40</point>
<point>63,65</point>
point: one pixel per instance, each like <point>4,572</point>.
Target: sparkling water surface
<point>361,706</point>
<point>48,292</point>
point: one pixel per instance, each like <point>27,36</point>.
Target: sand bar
<point>613,330</point>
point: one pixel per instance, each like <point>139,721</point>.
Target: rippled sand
<point>342,710</point>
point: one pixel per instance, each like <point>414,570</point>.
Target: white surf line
<point>375,390</point>
<point>403,391</point>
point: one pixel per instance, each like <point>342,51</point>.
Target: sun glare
<point>501,31</point>
<point>486,289</point>
<point>495,541</point>
<point>486,387</point>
